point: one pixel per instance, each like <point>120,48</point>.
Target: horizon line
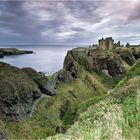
<point>44,45</point>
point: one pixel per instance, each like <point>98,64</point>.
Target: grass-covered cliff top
<point>111,117</point>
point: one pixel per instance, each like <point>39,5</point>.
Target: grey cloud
<point>16,18</point>
<point>86,10</point>
<point>67,22</point>
<point>135,14</point>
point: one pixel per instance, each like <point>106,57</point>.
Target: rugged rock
<point>108,63</point>
<point>70,69</point>
<point>64,76</point>
<point>71,65</point>
<point>45,84</point>
<point>17,93</point>
<point>93,60</point>
<point>96,60</point>
<point>126,55</point>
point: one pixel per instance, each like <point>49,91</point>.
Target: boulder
<point>45,84</point>
<point>17,93</point>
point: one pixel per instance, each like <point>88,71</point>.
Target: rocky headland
<point>87,76</point>
<point>13,51</point>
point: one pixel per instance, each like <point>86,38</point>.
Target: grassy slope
<point>112,117</point>
<point>55,114</point>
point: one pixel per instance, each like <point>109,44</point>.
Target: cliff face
<point>17,93</point>
<point>45,84</point>
<point>70,70</point>
<point>112,62</point>
<point>19,88</point>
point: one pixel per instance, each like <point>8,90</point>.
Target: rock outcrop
<point>45,84</point>
<point>127,55</point>
<point>95,60</point>
<point>111,64</point>
<point>70,69</point>
<point>17,93</point>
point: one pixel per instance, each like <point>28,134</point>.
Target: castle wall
<point>102,44</point>
<point>106,43</point>
<point>111,43</point>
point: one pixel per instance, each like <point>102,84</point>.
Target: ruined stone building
<point>106,43</point>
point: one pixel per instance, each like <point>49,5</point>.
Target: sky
<point>38,22</point>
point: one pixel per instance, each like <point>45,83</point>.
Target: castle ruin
<point>106,44</point>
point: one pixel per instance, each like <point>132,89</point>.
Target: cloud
<point>68,22</point>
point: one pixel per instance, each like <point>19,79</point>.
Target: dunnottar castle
<point>108,44</point>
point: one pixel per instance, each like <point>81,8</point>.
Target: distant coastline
<point>45,60</point>
<point>13,51</point>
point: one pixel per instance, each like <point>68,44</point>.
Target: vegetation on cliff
<point>81,86</point>
<point>17,93</point>
<point>114,116</point>
<point>56,114</point>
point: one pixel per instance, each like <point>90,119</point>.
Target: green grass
<point>84,100</point>
<point>90,102</point>
<point>56,114</point>
<point>135,70</point>
<point>111,117</point>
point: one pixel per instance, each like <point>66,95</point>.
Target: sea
<point>48,59</point>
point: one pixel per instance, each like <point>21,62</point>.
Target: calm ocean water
<point>48,59</point>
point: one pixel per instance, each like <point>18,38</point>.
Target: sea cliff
<point>89,76</point>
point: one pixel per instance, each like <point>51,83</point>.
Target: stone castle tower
<point>106,44</point>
